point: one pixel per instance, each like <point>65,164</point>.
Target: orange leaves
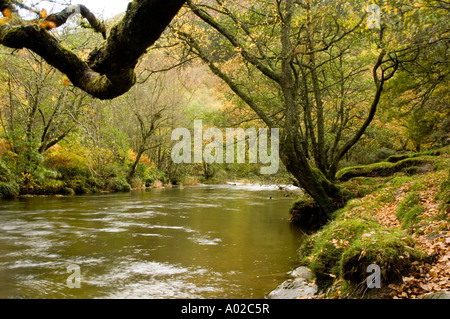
<point>7,13</point>
<point>48,25</point>
<point>428,278</point>
<point>45,24</point>
<point>7,16</point>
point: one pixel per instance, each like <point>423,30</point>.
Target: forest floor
<point>430,236</point>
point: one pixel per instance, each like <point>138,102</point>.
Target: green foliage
<point>149,175</point>
<point>5,173</point>
<point>119,184</point>
<point>9,189</point>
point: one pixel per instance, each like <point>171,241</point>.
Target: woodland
<point>358,90</point>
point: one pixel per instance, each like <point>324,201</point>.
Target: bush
<point>9,190</point>
<point>149,175</point>
<point>119,184</point>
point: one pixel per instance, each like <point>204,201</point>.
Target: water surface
<point>198,242</point>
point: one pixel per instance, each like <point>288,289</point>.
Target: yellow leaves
<point>43,14</point>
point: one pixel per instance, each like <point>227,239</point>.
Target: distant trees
<point>37,103</point>
<point>313,68</point>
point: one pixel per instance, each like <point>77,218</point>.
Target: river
<point>221,241</point>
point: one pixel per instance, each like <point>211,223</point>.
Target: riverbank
<point>398,220</point>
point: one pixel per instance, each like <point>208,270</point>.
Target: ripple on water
<point>205,240</point>
<point>152,279</point>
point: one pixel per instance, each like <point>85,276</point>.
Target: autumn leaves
<point>41,21</point>
<point>7,16</point>
<point>46,24</point>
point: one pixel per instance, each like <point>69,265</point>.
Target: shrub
<point>119,184</point>
<point>9,190</point>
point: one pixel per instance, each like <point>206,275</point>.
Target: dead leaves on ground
<point>433,237</point>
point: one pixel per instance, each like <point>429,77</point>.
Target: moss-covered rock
<point>444,194</point>
<point>391,250</point>
<point>384,169</point>
<point>399,157</point>
<point>346,247</point>
<point>307,214</point>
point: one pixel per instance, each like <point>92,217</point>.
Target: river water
<point>198,242</point>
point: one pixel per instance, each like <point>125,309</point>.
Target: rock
<point>303,272</point>
<point>300,285</point>
<point>438,295</point>
<point>292,289</point>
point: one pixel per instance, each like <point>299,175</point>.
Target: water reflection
<point>197,242</point>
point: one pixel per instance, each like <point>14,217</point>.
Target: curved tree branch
<point>109,71</point>
<point>61,18</point>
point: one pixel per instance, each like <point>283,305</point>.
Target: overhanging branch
<point>109,71</point>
